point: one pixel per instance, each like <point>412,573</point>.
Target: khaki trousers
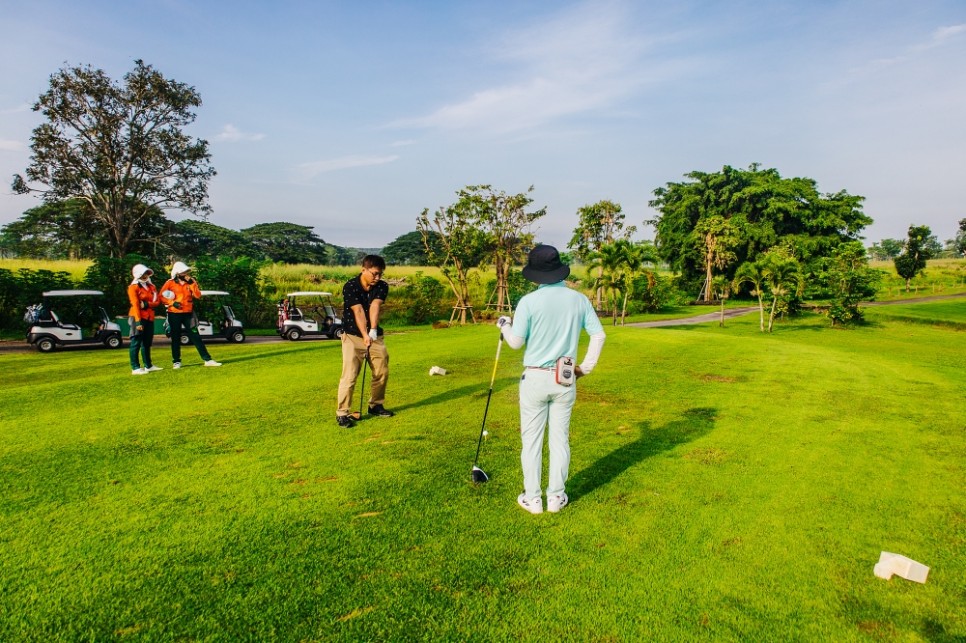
<point>353,353</point>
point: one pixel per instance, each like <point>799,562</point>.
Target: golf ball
<point>485,433</point>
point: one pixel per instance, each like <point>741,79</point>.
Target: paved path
<point>737,312</point>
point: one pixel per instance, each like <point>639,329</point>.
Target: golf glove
<point>176,305</point>
<point>503,321</point>
<point>373,334</point>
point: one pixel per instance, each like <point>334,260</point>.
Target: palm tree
<point>783,275</point>
<point>752,273</point>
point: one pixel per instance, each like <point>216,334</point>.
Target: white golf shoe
<point>139,371</point>
<point>556,503</point>
<point>212,362</point>
<point>533,505</point>
<point>151,369</point>
<point>176,365</point>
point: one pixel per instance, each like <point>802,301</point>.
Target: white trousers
<point>544,403</point>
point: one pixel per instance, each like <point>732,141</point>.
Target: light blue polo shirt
<point>550,320</point>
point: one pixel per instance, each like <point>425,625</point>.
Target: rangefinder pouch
<point>565,372</point>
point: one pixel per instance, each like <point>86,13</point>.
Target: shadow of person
<point>693,424</point>
<point>468,393</point>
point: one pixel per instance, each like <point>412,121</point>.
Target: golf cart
<point>47,330</point>
<point>315,318</point>
<point>214,326</point>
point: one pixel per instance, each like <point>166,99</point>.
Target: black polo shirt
<point>353,293</point>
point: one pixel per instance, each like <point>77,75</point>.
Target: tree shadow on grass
<point>695,423</point>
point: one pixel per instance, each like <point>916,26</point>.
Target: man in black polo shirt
<point>362,298</point>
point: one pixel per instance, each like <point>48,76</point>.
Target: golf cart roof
<point>309,293</point>
<point>72,293</point>
<point>214,293</point>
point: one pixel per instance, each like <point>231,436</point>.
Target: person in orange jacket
<point>179,294</point>
<point>143,296</point>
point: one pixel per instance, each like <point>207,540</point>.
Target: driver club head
<point>479,476</point>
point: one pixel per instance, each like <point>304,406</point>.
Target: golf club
<point>357,415</point>
<point>479,476</point>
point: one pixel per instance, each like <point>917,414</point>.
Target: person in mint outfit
<point>549,322</point>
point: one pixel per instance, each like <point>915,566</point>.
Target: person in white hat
<point>179,294</point>
<point>143,296</point>
<point>549,321</point>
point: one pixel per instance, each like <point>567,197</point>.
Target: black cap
<point>544,266</point>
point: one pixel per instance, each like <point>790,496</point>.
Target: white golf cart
<point>212,325</point>
<point>90,324</point>
<point>314,318</point>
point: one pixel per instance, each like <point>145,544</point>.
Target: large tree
<point>56,230</point>
<point>505,222</point>
<point>960,241</point>
<point>915,253</point>
<point>119,147</point>
<point>287,242</point>
<point>763,209</point>
<point>454,244</point>
<point>598,224</point>
<point>190,240</point>
<point>407,250</point>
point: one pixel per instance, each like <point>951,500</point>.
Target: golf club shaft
<point>362,389</point>
<point>479,443</point>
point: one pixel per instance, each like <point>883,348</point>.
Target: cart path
<point>744,310</point>
<point>20,346</point>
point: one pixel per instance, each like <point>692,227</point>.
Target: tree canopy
<point>762,210</point>
<point>408,250</point>
<point>120,148</point>
<point>915,253</point>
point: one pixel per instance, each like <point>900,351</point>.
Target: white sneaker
<point>212,362</point>
<point>556,503</point>
<point>151,369</point>
<point>139,371</point>
<point>533,505</point>
<point>176,365</point>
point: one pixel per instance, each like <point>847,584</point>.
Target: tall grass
<point>725,485</point>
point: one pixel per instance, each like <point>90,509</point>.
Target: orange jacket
<point>143,299</point>
<point>183,293</point>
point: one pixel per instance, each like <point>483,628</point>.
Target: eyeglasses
<point>375,273</point>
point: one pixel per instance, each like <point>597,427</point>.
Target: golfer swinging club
<point>549,321</point>
<point>362,299</point>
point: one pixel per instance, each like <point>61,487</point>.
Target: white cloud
<point>231,134</point>
<point>11,146</point>
<point>306,171</point>
<point>583,60</point>
<point>945,33</point>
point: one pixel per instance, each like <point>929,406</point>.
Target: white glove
<point>503,321</point>
<point>373,335</point>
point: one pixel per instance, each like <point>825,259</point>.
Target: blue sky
<point>353,117</point>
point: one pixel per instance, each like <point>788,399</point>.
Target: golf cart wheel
<point>238,337</point>
<point>46,345</point>
<point>184,340</point>
<point>338,333</point>
<point>114,341</point>
<point>294,334</point>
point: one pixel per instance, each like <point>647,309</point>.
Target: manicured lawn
<point>725,485</point>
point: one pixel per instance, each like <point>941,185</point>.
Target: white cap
<point>178,268</point>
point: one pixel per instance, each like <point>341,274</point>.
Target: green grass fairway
<point>725,485</point>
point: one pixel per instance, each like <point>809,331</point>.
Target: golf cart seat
<point>56,320</point>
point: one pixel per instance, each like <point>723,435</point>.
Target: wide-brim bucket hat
<point>544,266</point>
